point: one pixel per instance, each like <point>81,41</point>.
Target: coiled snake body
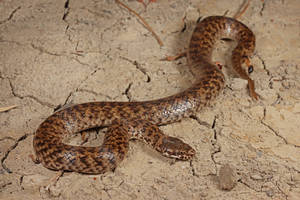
<point>127,120</point>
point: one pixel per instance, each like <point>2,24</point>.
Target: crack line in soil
<point>193,169</point>
<point>9,150</point>
<point>7,138</point>
<point>21,182</point>
<point>275,132</point>
<point>262,8</point>
<point>248,186</point>
<point>216,148</point>
<point>79,85</point>
<point>280,190</point>
<point>263,62</point>
<point>95,93</point>
<point>3,185</point>
<point>200,122</point>
<point>278,135</point>
<point>126,92</point>
<point>11,41</point>
<point>10,16</point>
<point>138,67</point>
<point>29,96</point>
<point>67,10</point>
<point>42,50</point>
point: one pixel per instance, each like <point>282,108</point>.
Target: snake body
<point>128,120</point>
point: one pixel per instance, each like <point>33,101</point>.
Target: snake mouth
<point>187,155</point>
<point>180,155</point>
<point>175,148</point>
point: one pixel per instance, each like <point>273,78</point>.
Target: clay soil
<point>56,53</point>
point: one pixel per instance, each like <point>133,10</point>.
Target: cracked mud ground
<point>54,54</point>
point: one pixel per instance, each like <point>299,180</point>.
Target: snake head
<point>175,148</point>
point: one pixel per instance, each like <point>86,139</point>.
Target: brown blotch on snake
<point>127,120</point>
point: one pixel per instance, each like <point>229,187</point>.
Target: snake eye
<point>250,69</point>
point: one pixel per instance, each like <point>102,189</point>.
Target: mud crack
<point>280,190</point>
<point>127,93</point>
<point>6,138</point>
<point>3,185</point>
<point>248,186</point>
<point>43,50</point>
<point>193,169</point>
<point>262,8</point>
<point>95,93</point>
<point>9,150</point>
<point>67,10</point>
<point>271,192</point>
<point>214,143</point>
<point>14,93</point>
<point>275,132</point>
<point>10,16</point>
<point>10,41</point>
<point>200,122</point>
<point>139,67</point>
<point>77,89</point>
<point>216,148</point>
<point>264,64</point>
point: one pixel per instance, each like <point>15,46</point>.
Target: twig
<point>240,13</point>
<point>144,22</point>
<point>176,57</point>
<point>3,109</point>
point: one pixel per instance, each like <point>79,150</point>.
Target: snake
<point>141,119</point>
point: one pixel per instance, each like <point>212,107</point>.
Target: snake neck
<point>214,28</point>
<point>209,83</point>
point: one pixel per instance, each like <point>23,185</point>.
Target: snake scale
<point>140,120</point>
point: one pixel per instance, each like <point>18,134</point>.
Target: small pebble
<point>227,177</point>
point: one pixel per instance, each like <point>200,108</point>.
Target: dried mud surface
<point>56,53</point>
